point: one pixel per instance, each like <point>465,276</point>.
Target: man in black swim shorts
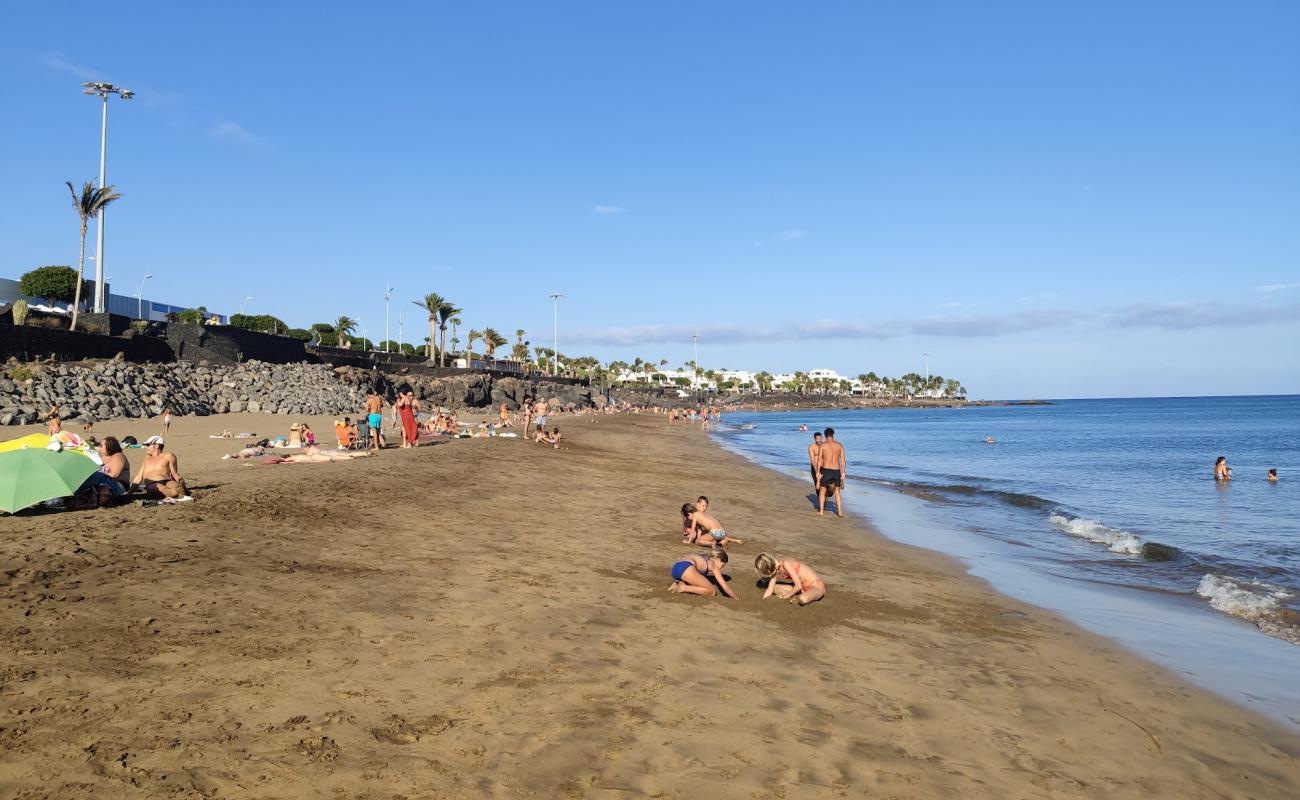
<point>831,465</point>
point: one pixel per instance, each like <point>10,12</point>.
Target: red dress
<point>409,426</point>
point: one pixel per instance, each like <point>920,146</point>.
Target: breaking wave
<point>1254,601</point>
<point>1115,540</point>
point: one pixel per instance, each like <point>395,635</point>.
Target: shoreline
<point>488,616</point>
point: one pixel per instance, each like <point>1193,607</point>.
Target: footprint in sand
<point>399,731</point>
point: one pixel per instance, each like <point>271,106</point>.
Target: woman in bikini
<point>806,586</point>
<point>691,575</point>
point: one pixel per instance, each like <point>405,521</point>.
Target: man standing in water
<point>831,465</point>
<point>813,450</point>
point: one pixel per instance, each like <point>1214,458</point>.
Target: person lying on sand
<point>805,587</point>
<point>159,474</point>
<point>252,451</point>
<point>708,531</point>
<point>691,575</point>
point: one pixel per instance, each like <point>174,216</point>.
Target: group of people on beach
<point>158,477</point>
<point>703,573</point>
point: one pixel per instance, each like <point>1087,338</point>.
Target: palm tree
<point>342,327</point>
<point>455,323</point>
<point>492,339</point>
<point>446,313</point>
<point>520,351</point>
<point>432,304</point>
<point>473,336</point>
<point>87,205</point>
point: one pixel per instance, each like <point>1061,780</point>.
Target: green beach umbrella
<point>30,476</point>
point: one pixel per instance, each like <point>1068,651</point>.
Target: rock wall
<point>116,388</point>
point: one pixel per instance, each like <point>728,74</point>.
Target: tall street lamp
<point>139,293</point>
<point>388,295</point>
<point>245,302</point>
<point>555,341</point>
<point>102,91</point>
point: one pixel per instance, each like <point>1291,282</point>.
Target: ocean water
<point>1105,510</point>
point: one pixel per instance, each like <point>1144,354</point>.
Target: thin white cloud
<point>608,210</point>
<point>1277,287</point>
<point>1187,316</point>
<point>234,132</point>
<point>964,327</point>
<point>1170,316</point>
<point>58,62</point>
<point>787,235</point>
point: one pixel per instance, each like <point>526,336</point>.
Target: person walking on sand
<point>831,465</point>
<point>691,575</point>
<point>814,450</point>
<point>167,422</point>
<point>375,418</point>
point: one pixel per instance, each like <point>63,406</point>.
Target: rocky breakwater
<point>482,391</point>
<point>114,388</point>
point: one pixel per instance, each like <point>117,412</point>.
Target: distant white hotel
<point>733,380</point>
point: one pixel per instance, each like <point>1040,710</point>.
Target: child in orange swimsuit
<point>807,587</point>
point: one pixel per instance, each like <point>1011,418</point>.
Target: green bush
<point>20,312</point>
<point>261,323</point>
<point>323,327</point>
<point>193,316</point>
<point>53,283</point>
<point>19,372</point>
<point>301,334</point>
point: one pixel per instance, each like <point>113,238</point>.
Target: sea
<point>1104,510</point>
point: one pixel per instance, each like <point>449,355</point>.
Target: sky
<point>1051,200</point>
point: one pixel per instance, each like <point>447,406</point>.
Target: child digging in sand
<point>806,586</point>
<point>702,528</point>
<point>691,575</point>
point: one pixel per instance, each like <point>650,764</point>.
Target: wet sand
<point>488,618</point>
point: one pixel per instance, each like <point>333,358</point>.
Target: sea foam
<point>1117,541</point>
<point>1253,601</point>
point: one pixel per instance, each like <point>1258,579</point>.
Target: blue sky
<point>1053,200</point>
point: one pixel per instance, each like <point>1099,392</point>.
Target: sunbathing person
<point>706,528</point>
<point>252,451</point>
<point>314,455</point>
<point>159,474</point>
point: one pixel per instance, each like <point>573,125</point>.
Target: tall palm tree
<point>432,303</point>
<point>344,326</point>
<point>472,336</point>
<point>446,312</point>
<point>88,204</point>
<point>492,339</point>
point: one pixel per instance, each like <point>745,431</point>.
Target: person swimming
<point>1222,472</point>
<point>1272,475</point>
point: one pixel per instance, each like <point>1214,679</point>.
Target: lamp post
<point>399,330</point>
<point>102,91</point>
<point>139,293</point>
<point>555,340</point>
<point>245,302</point>
<point>388,294</point>
<point>926,356</point>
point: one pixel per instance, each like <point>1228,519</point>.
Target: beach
<point>488,617</point>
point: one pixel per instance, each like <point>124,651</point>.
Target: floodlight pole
<point>139,293</point>
<point>102,91</point>
<point>555,340</point>
<point>388,294</point>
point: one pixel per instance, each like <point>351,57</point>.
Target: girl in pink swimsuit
<point>806,586</point>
